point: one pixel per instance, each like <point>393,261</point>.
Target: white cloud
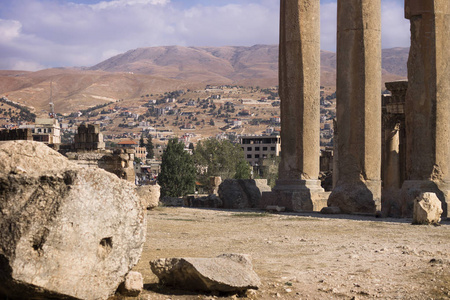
<point>123,3</point>
<point>60,33</point>
<point>26,65</point>
<point>9,29</point>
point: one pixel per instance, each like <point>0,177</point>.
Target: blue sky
<point>37,34</point>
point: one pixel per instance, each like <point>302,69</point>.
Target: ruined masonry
<point>298,186</point>
<point>427,104</point>
<point>416,137</point>
<point>358,111</point>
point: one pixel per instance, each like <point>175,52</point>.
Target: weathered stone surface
<point>133,285</point>
<point>358,107</point>
<point>210,201</point>
<point>149,194</point>
<point>299,76</point>
<point>296,195</point>
<point>353,198</point>
<point>65,231</point>
<point>241,193</point>
<point>299,82</point>
<point>171,201</point>
<point>225,273</point>
<point>214,183</point>
<point>428,102</point>
<point>427,209</point>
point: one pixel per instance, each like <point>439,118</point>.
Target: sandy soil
<point>306,256</point>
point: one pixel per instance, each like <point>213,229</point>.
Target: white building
<point>47,131</point>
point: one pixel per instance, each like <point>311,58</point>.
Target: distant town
<point>221,112</point>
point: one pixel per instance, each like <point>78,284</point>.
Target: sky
<point>39,34</point>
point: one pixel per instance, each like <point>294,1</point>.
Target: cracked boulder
<point>66,232</point>
<point>229,273</point>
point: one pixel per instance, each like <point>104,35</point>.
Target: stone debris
<point>242,193</point>
<point>149,194</point>
<point>427,209</point>
<point>133,285</point>
<point>66,231</point>
<point>210,201</point>
<point>230,273</point>
<point>172,201</point>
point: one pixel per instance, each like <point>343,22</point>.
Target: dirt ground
<point>306,256</point>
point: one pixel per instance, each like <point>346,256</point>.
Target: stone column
<point>298,186</point>
<point>392,175</point>
<point>428,103</point>
<point>358,189</point>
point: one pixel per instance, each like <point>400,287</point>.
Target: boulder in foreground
<point>66,232</point>
<point>427,209</point>
<point>228,273</point>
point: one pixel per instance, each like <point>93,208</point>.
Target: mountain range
<point>157,70</point>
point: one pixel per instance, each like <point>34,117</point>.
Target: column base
<point>296,195</point>
<point>411,189</point>
<point>391,202</point>
<point>357,197</point>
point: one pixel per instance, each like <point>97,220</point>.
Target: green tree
<point>141,141</point>
<point>220,158</point>
<point>149,147</point>
<point>177,176</point>
<point>243,170</point>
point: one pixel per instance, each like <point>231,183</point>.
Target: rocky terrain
<point>306,256</point>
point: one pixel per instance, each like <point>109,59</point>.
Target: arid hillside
<point>162,69</point>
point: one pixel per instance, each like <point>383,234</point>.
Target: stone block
<point>427,209</point>
<point>229,273</point>
<point>66,231</point>
<point>149,194</point>
<point>133,285</point>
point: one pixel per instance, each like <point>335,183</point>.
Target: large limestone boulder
<point>242,193</point>
<point>427,209</point>
<point>149,194</point>
<point>66,232</point>
<point>225,273</point>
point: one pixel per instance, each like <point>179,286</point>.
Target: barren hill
<point>74,89</point>
<point>256,65</point>
<point>161,69</point>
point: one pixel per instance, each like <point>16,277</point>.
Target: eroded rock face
<point>133,285</point>
<point>149,194</point>
<point>427,209</point>
<point>225,273</point>
<point>242,193</point>
<point>65,231</point>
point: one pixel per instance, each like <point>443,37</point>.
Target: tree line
<point>180,170</point>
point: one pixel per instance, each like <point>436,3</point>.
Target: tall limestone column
<point>358,189</point>
<point>298,187</point>
<point>428,103</point>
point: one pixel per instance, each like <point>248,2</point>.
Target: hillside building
<point>47,131</point>
<point>259,147</point>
